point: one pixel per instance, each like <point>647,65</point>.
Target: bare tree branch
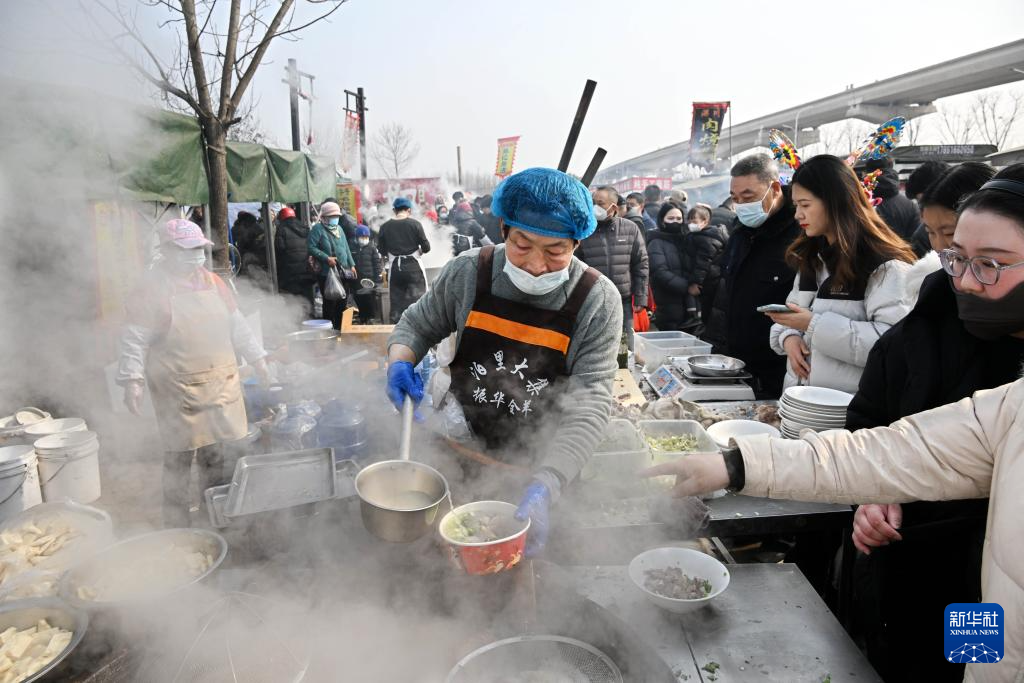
<point>994,115</point>
<point>188,8</point>
<point>261,49</point>
<point>956,126</point>
<point>394,149</point>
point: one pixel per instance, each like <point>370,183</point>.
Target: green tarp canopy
<point>172,170</point>
<point>248,178</point>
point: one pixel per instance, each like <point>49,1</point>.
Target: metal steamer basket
<point>536,657</point>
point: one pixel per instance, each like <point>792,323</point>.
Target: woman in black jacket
<point>701,249</point>
<point>292,255</point>
<point>918,557</point>
<point>664,252</point>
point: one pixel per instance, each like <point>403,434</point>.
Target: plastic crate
<point>621,454</point>
<point>653,351</point>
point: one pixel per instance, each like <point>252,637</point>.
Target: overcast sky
<point>465,73</point>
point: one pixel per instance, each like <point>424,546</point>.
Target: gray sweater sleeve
<point>586,401</point>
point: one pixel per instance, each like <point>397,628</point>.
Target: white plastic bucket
<point>69,466</point>
<point>64,424</point>
<point>19,480</point>
<point>317,324</point>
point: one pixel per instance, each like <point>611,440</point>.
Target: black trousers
<point>333,308</point>
<point>407,285</point>
<point>177,500</point>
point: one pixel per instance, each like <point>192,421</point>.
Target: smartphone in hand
<point>774,308</point>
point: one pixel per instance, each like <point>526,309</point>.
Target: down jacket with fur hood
<point>845,324</point>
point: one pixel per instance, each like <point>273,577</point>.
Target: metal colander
<point>244,640</point>
<point>536,659</point>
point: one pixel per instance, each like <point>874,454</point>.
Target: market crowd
<point>910,300</point>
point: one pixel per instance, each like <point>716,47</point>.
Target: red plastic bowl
<point>490,557</point>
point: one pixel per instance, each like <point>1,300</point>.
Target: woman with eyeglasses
<point>921,556</point>
<point>970,449</point>
<point>851,283</point>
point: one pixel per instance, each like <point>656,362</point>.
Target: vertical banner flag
<point>349,142</point>
<point>348,199</point>
<point>704,131</point>
<point>506,156</point>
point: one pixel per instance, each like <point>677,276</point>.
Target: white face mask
<point>752,214</point>
<point>186,260</point>
<point>363,241</point>
<point>694,227</point>
<point>600,214</point>
<point>536,285</point>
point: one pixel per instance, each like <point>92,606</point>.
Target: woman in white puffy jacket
<point>851,283</point>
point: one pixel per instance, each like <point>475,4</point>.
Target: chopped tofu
<point>25,652</point>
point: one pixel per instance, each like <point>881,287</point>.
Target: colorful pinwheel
<point>783,149</point>
<point>881,142</point>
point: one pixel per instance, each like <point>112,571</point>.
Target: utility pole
<point>458,159</point>
<point>360,112</point>
<point>294,81</point>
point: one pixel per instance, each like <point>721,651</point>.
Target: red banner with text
<point>506,156</point>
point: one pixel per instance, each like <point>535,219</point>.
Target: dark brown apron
<point>510,367</point>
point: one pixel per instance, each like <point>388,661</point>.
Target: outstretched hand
<point>695,474</point>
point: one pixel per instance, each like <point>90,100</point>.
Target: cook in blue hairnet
<point>535,334</point>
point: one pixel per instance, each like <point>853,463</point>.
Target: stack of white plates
<point>814,408</point>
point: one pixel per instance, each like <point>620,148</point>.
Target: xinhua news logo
<point>974,633</point>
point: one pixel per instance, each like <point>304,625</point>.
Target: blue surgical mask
<point>753,214</point>
<point>333,221</point>
<point>536,285</point>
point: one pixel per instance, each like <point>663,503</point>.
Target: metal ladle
<point>381,488</point>
<point>405,444</point>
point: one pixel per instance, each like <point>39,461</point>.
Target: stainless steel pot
<point>307,345</point>
<point>399,499</point>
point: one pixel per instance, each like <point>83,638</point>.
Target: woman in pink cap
<point>180,338</point>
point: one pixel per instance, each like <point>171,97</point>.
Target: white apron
<point>193,376</point>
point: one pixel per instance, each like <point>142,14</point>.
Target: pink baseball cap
<point>183,233</point>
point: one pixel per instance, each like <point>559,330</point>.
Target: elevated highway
<point>911,95</point>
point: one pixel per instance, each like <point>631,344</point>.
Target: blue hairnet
<point>547,202</point>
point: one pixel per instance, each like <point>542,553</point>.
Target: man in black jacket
<point>724,215</point>
<point>652,201</point>
<point>754,271</point>
<point>292,255</point>
<point>490,222</point>
<point>469,234</point>
<point>617,249</point>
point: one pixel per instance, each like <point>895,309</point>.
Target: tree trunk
<point>217,176</point>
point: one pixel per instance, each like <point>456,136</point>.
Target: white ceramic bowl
<point>693,563</point>
<point>722,431</point>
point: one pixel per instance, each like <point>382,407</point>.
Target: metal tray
<point>274,481</point>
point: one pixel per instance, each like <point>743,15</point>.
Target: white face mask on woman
<point>184,261</point>
<point>536,285</point>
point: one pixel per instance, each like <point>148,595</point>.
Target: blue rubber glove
<point>403,380</point>
<point>534,506</point>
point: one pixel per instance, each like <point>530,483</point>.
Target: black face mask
<point>674,228</point>
<point>991,318</point>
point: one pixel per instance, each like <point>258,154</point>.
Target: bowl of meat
<point>678,580</point>
<point>485,537</point>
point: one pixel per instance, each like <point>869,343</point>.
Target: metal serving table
<point>769,625</point>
